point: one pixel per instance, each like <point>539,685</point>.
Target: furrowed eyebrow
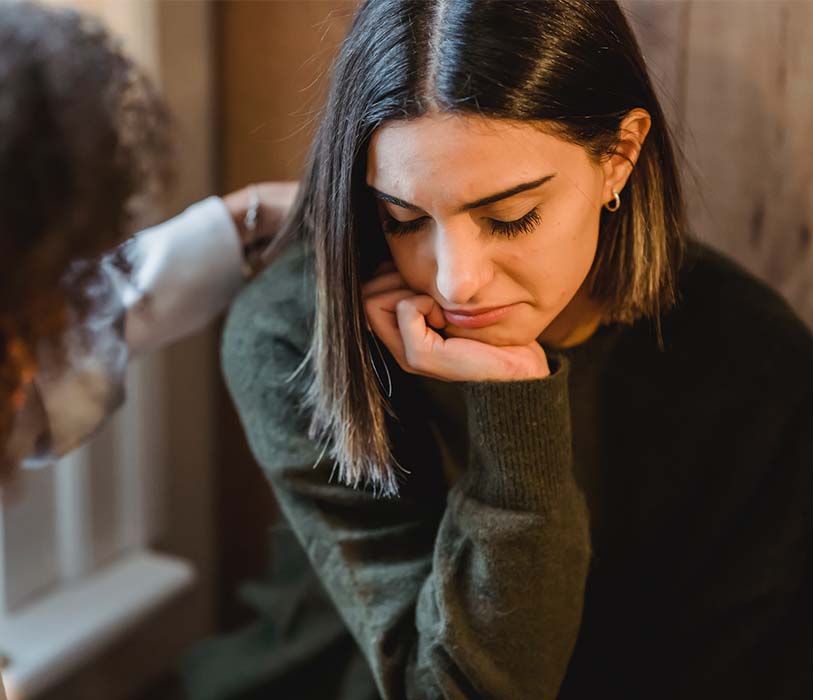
<point>490,199</point>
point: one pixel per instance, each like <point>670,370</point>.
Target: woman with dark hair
<point>85,138</point>
<point>535,442</point>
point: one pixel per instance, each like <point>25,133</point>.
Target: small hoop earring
<point>616,203</point>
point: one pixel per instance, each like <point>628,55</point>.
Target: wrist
<point>238,204</point>
<point>522,451</point>
<point>258,212</point>
<point>534,365</point>
<point>245,211</point>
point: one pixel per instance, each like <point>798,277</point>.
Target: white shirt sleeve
<point>183,273</point>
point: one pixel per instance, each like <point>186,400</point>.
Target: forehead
<point>462,155</point>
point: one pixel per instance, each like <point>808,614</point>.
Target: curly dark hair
<point>83,136</point>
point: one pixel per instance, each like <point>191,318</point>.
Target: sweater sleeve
<point>475,595</point>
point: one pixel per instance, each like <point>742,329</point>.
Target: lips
<point>478,318</point>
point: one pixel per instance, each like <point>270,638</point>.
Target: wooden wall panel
<point>737,81</point>
<point>744,109</point>
<point>661,30</point>
<point>797,114</point>
<point>274,58</point>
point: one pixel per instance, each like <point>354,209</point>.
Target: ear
<point>619,165</point>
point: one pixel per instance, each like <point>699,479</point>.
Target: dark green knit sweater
<point>634,526</point>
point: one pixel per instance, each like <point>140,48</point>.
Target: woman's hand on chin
<point>408,324</point>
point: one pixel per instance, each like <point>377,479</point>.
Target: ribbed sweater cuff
<point>521,444</point>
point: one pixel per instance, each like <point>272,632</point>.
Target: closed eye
<point>525,224</point>
<point>394,227</point>
<point>507,229</point>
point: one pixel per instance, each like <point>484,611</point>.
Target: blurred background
<point>129,550</point>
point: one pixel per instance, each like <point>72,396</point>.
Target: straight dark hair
<point>572,66</point>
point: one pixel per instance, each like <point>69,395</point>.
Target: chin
<point>496,335</point>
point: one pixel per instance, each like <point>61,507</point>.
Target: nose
<point>463,266</point>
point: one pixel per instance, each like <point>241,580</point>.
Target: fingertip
<point>437,321</point>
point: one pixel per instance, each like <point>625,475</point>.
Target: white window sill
<point>56,635</point>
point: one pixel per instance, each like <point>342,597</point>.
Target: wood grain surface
<point>736,77</point>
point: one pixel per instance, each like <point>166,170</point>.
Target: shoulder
<point>265,341</point>
<point>738,325</point>
<point>268,326</point>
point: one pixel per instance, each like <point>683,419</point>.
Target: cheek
<point>556,261</point>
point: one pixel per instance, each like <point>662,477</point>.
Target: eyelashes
<point>506,229</point>
<point>525,224</point>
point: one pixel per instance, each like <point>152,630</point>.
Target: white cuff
<point>185,272</point>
